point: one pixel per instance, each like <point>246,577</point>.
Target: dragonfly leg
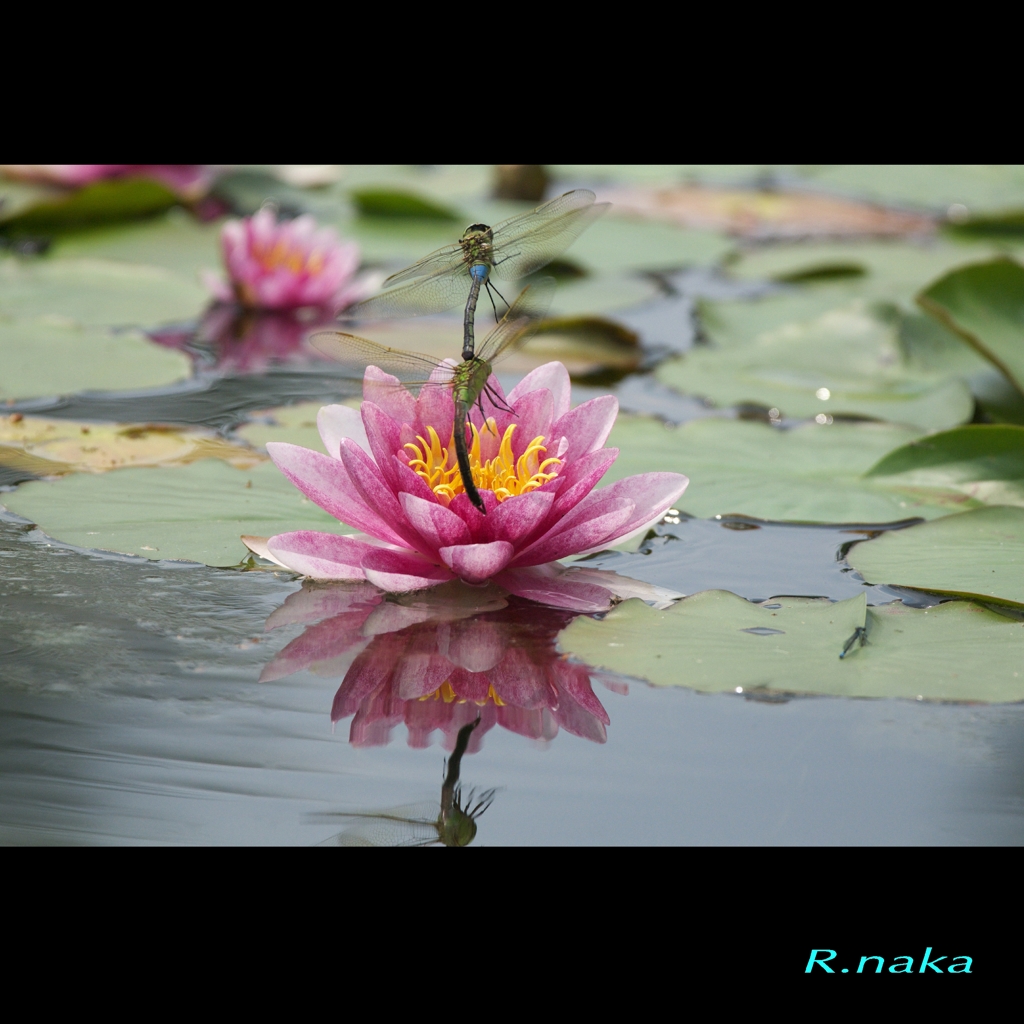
<point>490,288</point>
<point>497,401</point>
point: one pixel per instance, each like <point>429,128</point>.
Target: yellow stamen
<point>505,475</point>
<point>281,254</point>
<point>447,694</point>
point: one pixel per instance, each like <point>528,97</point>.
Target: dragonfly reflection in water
<point>467,380</point>
<point>451,823</point>
<point>508,251</point>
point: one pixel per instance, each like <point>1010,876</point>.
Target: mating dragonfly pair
<point>455,273</point>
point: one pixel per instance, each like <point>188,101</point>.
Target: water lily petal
<point>401,571</point>
<point>653,494</point>
<point>322,556</point>
<point>587,426</point>
<point>475,563</point>
<point>586,532</point>
<point>420,673</point>
<point>383,434</point>
<point>516,517</point>
<point>387,392</point>
<point>326,481</point>
<point>378,497</point>
<point>580,478</point>
<point>439,526</point>
<point>554,589</point>
<point>551,376</point>
<point>337,421</point>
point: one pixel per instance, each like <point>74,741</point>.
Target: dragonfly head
<point>457,827</point>
<point>476,240</point>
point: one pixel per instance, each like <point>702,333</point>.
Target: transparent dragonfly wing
<point>445,260</point>
<point>518,324</point>
<point>435,294</point>
<point>412,825</point>
<point>527,244</point>
<point>413,369</point>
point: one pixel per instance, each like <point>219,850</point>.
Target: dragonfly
<point>467,380</point>
<point>508,251</point>
<point>452,822</point>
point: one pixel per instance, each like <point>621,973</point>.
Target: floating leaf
<point>384,202</point>
<point>845,362</point>
<point>55,446</point>
<point>894,271</point>
<point>717,642</point>
<point>97,203</point>
<point>51,357</point>
<point>196,512</point>
<point>986,463</point>
<point>979,553</point>
<point>767,215</point>
<point>984,304</point>
<point>810,473</point>
<point>295,424</point>
<point>176,241</point>
<point>96,293</point>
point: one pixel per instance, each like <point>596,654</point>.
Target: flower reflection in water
<point>233,340</point>
<point>450,823</point>
<point>437,661</point>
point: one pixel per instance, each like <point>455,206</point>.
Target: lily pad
<point>984,304</point>
<point>809,473</point>
<point>715,641</point>
<point>986,463</point>
<point>845,362</point>
<point>176,241</point>
<point>295,424</point>
<point>53,356</point>
<point>62,446</point>
<point>979,553</point>
<point>892,271</point>
<point>96,293</point>
<point>979,187</point>
<point>384,202</point>
<point>99,202</point>
<point>196,512</point>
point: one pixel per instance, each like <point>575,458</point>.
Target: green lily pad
<point>295,424</point>
<point>715,642</point>
<point>844,362</point>
<point>196,512</point>
<point>978,187</point>
<point>96,293</point>
<point>385,202</point>
<point>892,271</point>
<point>984,304</point>
<point>97,203</point>
<point>176,241</point>
<point>979,553</point>
<point>44,358</point>
<point>984,462</point>
<point>810,473</point>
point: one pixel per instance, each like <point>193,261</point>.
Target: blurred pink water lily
<point>288,265</point>
<point>438,662</point>
<point>190,181</point>
<point>391,473</point>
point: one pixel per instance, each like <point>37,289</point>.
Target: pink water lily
<point>288,265</point>
<point>391,473</point>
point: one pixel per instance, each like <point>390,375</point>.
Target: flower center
<point>505,475</point>
<point>281,255</point>
<point>447,694</point>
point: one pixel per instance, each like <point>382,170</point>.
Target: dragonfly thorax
<point>477,244</point>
